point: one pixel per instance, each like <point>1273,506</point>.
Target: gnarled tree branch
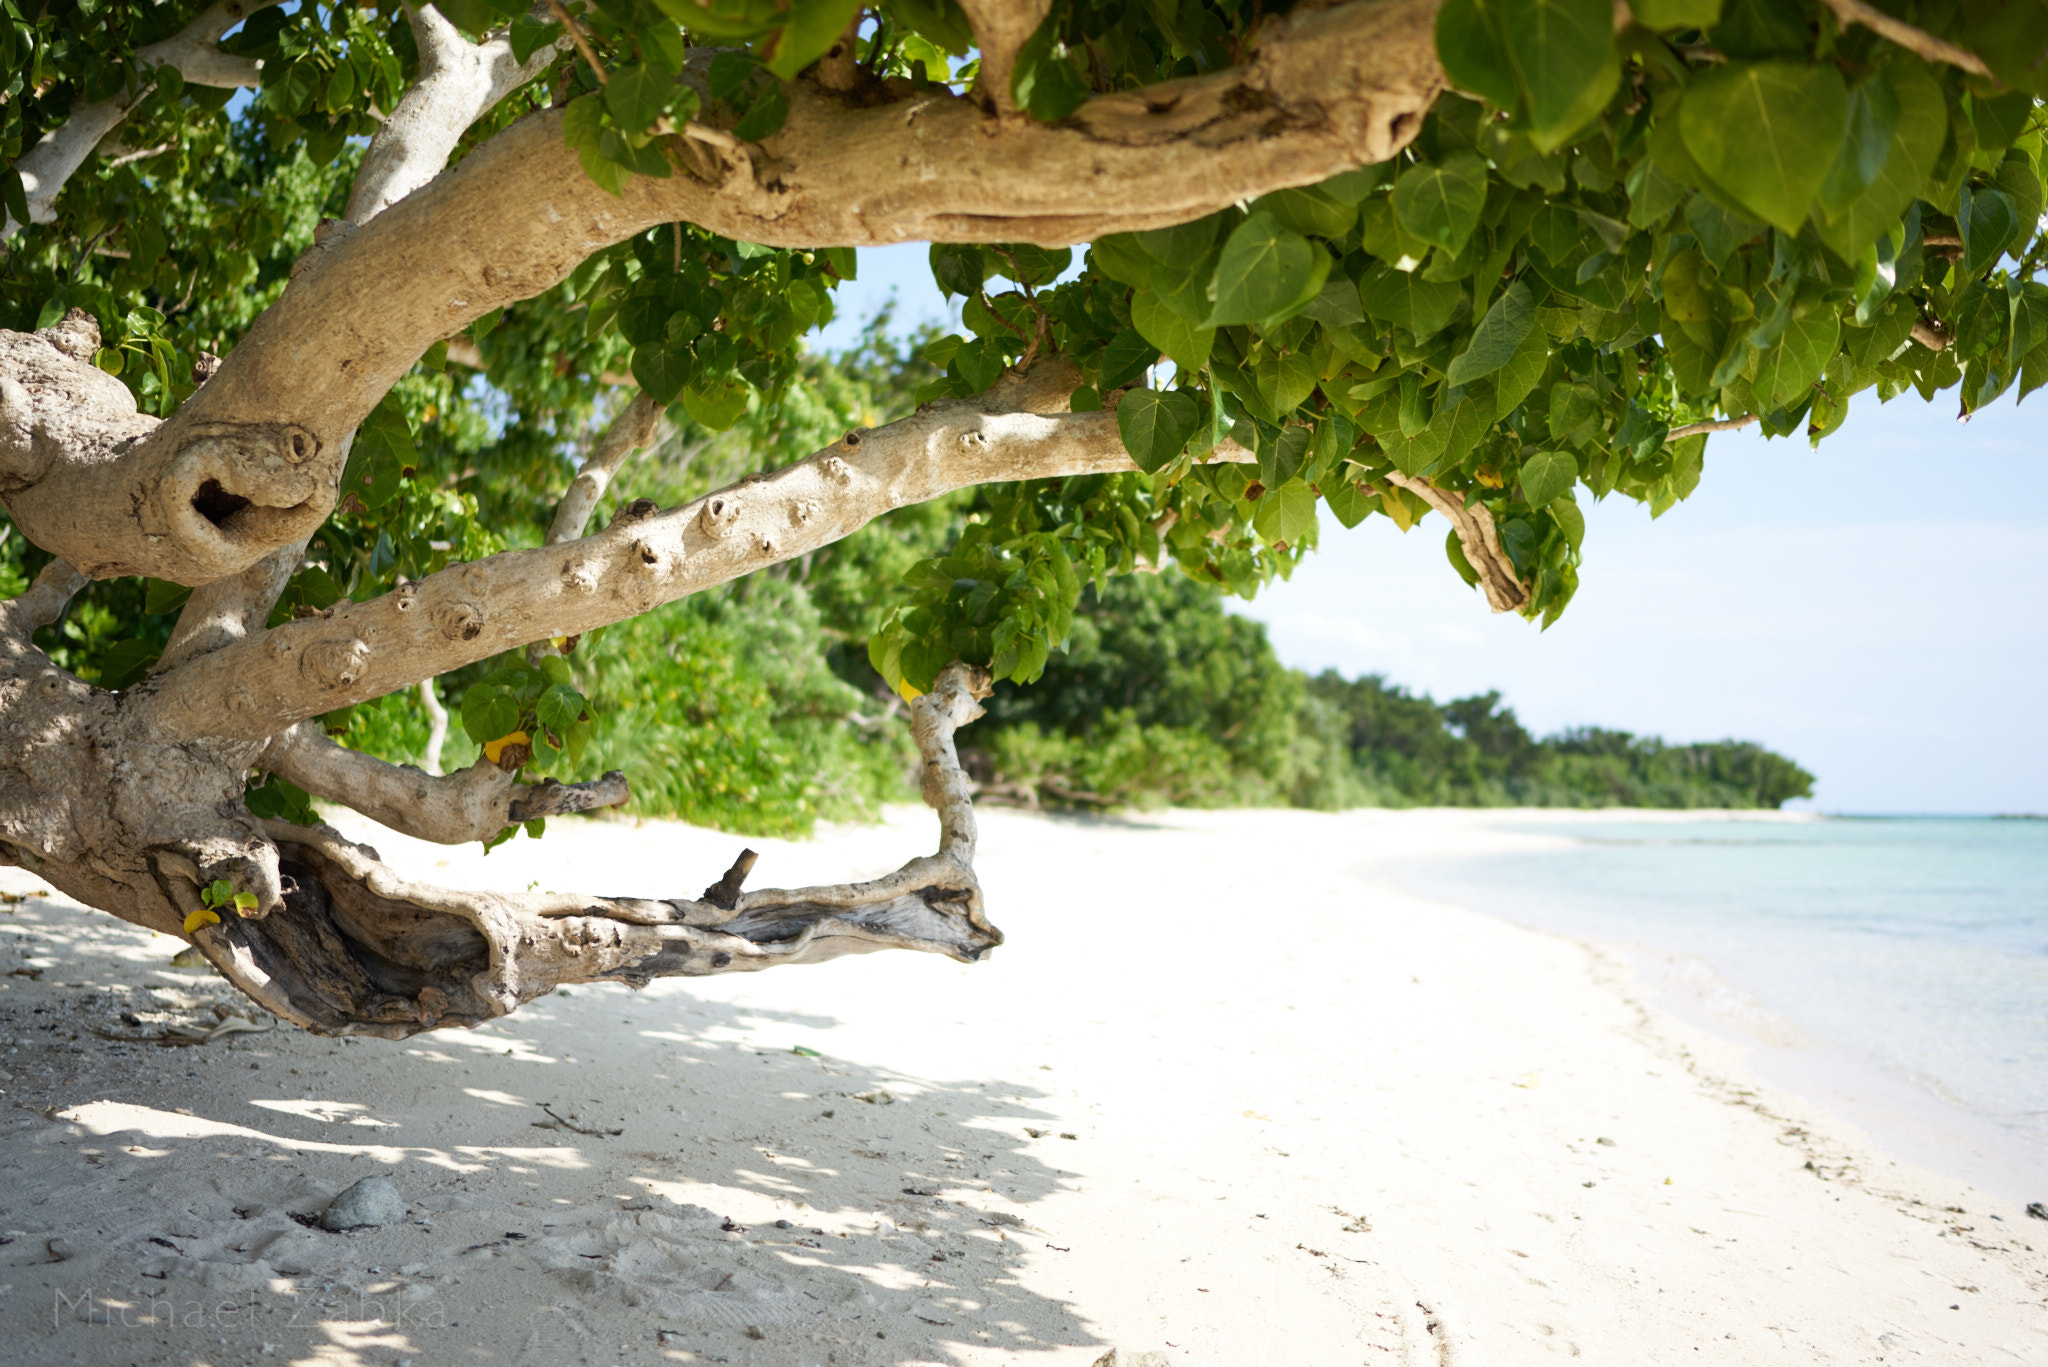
<point>355,949</point>
<point>358,651</point>
<point>59,153</point>
<point>1323,91</point>
<point>1477,537</point>
<point>474,804</point>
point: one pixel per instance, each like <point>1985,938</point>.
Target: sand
<point>1223,1098</point>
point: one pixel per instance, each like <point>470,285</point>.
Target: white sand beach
<point>1223,1098</point>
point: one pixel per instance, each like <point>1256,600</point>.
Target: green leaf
<point>1406,300</point>
<point>1028,264</point>
<point>958,269</point>
<point>1547,475</point>
<point>1470,46</point>
<point>13,197</point>
<point>1498,337</point>
<point>2017,177</point>
<point>161,596</point>
<point>1282,457</point>
<point>1124,360</point>
<point>1286,514</point>
<point>1167,331</point>
<point>560,708</point>
<point>942,21</point>
<point>125,662</point>
<point>1574,412</point>
<point>1284,379</point>
<point>1044,82</point>
<point>1917,138</point>
<point>1998,119</point>
<point>529,35</point>
<point>1156,426</point>
<point>1989,222</point>
<point>1182,247</point>
<point>765,117</point>
<point>1348,499</point>
<point>1309,211</point>
<point>662,370</point>
<point>1441,204</point>
<point>1663,15</point>
<point>1789,369</point>
<point>1767,132</point>
<point>1121,258</point>
<point>1265,269</point>
<point>980,364</point>
<point>636,97</point>
<point>808,36</point>
<point>1336,304</point>
<point>488,712</point>
<point>1867,145</point>
<point>1518,379</point>
<point>718,406</point>
<point>1454,551</point>
<point>1563,53</point>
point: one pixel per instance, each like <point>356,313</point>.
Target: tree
<point>314,354</point>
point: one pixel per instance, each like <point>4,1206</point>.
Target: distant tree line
<point>1162,697</point>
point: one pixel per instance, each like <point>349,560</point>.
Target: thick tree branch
<point>83,476</point>
<point>355,949</point>
<point>59,153</point>
<point>474,804</point>
<point>1019,430</point>
<point>1916,41</point>
<point>1324,90</point>
<point>1477,537</point>
<point>459,82</point>
<point>229,609</point>
<point>632,430</point>
<point>437,727</point>
<point>1001,27</point>
<point>44,601</point>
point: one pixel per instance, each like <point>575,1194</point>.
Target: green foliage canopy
<point>1604,238</point>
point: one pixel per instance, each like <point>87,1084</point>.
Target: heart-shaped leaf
<point>1156,426</point>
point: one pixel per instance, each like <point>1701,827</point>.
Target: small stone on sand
<point>372,1201</point>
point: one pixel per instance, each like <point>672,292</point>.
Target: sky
<point>1866,608</point>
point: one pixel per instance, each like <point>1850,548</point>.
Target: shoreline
<point>1914,1115</point>
<point>1313,1122</point>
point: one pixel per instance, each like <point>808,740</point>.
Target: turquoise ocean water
<point>1894,970</point>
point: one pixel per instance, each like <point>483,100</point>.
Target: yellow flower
<point>200,918</point>
<point>494,748</point>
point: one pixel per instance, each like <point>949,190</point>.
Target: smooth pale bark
<point>1320,92</point>
<point>459,82</point>
<point>359,651</point>
<point>474,804</point>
